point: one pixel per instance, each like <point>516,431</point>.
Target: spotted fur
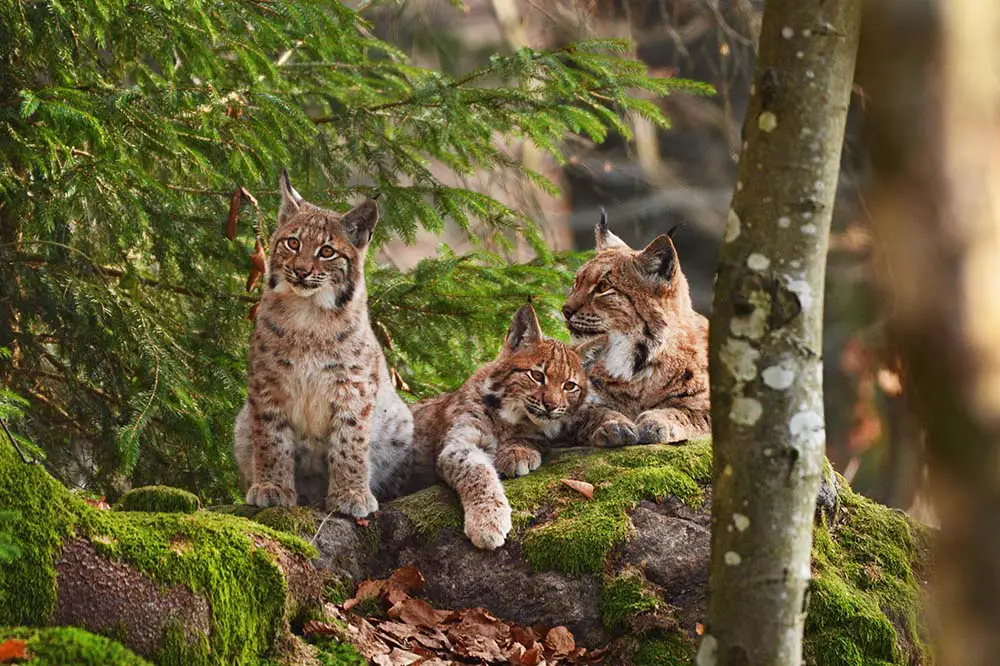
<point>498,422</point>
<point>322,423</point>
<point>645,348</point>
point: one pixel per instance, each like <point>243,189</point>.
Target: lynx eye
<point>570,387</point>
<point>293,244</point>
<point>327,252</point>
<point>537,376</point>
<point>604,288</point>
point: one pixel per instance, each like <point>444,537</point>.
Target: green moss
<point>431,510</point>
<point>578,534</point>
<point>623,598</point>
<point>866,596</point>
<point>154,499</point>
<point>334,653</point>
<point>298,520</point>
<point>58,646</point>
<point>671,649</point>
<point>217,557</point>
<point>222,558</point>
<point>45,514</point>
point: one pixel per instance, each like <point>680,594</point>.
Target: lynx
<point>498,421</point>
<point>322,420</point>
<point>644,347</point>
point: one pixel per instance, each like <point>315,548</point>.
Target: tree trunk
<point>931,71</point>
<point>766,329</point>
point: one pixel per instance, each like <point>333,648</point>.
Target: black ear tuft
<point>291,201</point>
<point>674,229</point>
<point>603,224</point>
<point>524,329</point>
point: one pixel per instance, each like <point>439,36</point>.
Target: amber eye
<point>327,252</point>
<point>293,244</point>
<point>603,288</point>
<point>570,387</point>
<point>537,376</point>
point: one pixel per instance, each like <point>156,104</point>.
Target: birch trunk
<point>935,101</point>
<point>766,329</point>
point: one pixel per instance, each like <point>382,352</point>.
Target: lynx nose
<point>568,312</point>
<point>302,273</point>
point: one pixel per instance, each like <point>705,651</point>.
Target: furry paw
<point>356,503</point>
<point>514,460</point>
<point>269,494</point>
<point>487,523</point>
<point>617,430</point>
<point>657,429</point>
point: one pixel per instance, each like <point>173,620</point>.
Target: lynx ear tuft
<point>604,238</point>
<point>291,201</point>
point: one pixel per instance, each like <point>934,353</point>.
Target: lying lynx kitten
<point>497,422</point>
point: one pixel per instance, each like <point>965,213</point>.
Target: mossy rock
<point>867,563</point>
<point>223,589</point>
<point>60,646</point>
<point>158,499</point>
<point>301,521</point>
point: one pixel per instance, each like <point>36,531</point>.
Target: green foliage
<point>58,646</point>
<point>124,131</point>
<point>157,499</point>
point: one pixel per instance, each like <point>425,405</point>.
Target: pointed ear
<point>524,330</point>
<point>658,260</point>
<point>359,223</point>
<point>605,239</point>
<point>291,201</point>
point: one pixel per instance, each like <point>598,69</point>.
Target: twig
<point>17,447</point>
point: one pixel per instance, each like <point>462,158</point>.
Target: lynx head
<point>534,379</point>
<point>317,253</point>
<point>625,291</point>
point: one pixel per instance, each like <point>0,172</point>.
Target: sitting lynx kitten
<point>644,347</point>
<point>496,422</point>
<point>322,418</point>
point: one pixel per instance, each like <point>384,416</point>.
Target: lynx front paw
<point>269,494</point>
<point>356,503</point>
<point>488,523</point>
<point>515,460</point>
<point>658,429</point>
<point>616,430</point>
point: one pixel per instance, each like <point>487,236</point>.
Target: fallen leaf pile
<point>414,633</point>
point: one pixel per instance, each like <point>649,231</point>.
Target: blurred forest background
<point>112,406</point>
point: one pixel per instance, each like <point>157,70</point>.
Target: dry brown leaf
<point>409,579</point>
<point>479,623</point>
<point>582,487</point>
<point>699,628</point>
<point>320,628</point>
<point>532,656</point>
<point>97,503</point>
<point>13,649</point>
<point>394,594</point>
<point>252,315</point>
<point>400,657</point>
<point>418,612</point>
<point>234,214</point>
<point>523,635</point>
<point>258,265</point>
<point>560,640</point>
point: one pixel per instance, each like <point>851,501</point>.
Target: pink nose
<point>302,273</point>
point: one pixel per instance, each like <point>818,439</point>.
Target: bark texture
<point>766,330</point>
<point>931,70</point>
